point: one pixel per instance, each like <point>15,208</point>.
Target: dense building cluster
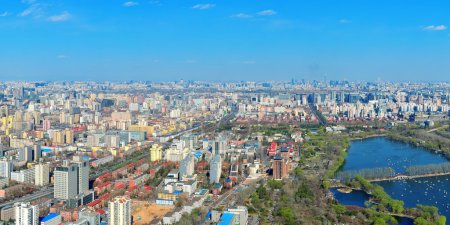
<point>140,152</point>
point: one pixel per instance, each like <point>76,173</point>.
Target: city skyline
<point>224,41</point>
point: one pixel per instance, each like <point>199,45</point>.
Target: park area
<point>145,212</point>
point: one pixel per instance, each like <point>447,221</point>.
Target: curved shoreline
<point>418,144</point>
<point>341,188</point>
<point>367,137</point>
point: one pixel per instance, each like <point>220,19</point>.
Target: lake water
<point>382,152</point>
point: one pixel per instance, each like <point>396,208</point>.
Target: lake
<point>382,152</point>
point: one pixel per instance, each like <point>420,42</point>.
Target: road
<point>27,198</point>
<point>225,196</point>
<point>437,128</point>
<point>318,115</point>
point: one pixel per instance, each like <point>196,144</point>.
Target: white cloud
<point>190,61</point>
<point>33,9</point>
<point>61,57</point>
<point>203,6</point>
<point>64,16</point>
<point>130,4</point>
<point>28,1</point>
<point>345,21</point>
<point>268,12</point>
<point>435,27</point>
<point>4,14</point>
<point>249,62</point>
<point>241,16</point>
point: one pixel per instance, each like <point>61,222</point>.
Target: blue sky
<point>161,40</point>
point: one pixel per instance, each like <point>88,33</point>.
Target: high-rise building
<point>187,166</point>
<point>66,181</point>
<point>280,167</point>
<point>119,211</point>
<point>26,154</point>
<point>41,174</point>
<point>37,152</point>
<point>155,153</point>
<point>219,147</point>
<point>215,169</point>
<point>69,137</point>
<point>83,174</point>
<point>112,141</point>
<point>46,124</point>
<point>26,214</point>
<point>6,167</point>
<point>58,137</point>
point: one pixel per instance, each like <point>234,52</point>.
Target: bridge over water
<point>387,173</point>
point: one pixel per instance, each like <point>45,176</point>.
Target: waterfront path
<point>405,177</point>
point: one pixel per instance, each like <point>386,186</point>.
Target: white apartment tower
<point>215,169</point>
<point>26,214</point>
<point>66,181</point>
<point>119,211</point>
<point>6,167</point>
<point>41,174</point>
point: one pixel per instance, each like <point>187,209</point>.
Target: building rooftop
<point>49,217</point>
<point>226,218</point>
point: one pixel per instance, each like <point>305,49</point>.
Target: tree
<point>339,209</point>
<point>303,192</point>
<point>262,192</point>
<point>380,221</point>
<point>421,221</point>
<point>397,206</point>
<point>275,184</point>
<point>287,214</point>
<point>441,220</point>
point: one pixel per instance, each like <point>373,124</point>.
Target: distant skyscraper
<point>26,214</point>
<point>119,211</point>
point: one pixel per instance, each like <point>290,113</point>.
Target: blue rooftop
<point>226,218</point>
<point>208,215</point>
<point>50,216</point>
